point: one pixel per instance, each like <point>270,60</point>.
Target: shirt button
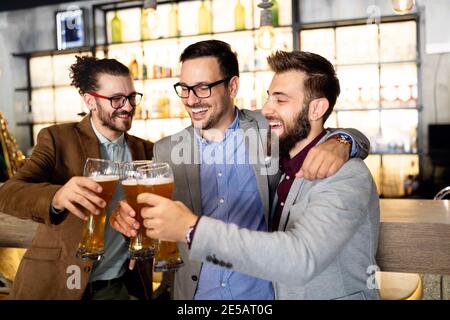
<point>194,278</point>
<point>223,284</point>
<point>219,174</point>
<point>287,177</point>
<point>221,200</point>
<point>282,204</point>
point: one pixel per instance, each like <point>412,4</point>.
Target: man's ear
<point>90,102</point>
<point>233,86</point>
<point>317,108</point>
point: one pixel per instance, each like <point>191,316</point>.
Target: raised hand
<point>165,219</point>
<point>79,192</point>
<point>123,219</point>
<point>324,160</point>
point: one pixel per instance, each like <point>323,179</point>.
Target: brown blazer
<point>59,154</point>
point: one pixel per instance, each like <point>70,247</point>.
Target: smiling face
<point>216,111</point>
<point>286,109</point>
<point>109,121</point>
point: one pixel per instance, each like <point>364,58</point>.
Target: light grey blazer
<point>324,247</point>
<point>181,152</point>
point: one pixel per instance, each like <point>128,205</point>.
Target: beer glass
<point>157,178</point>
<point>141,247</point>
<point>106,173</point>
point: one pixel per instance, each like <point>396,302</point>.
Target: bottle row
<point>394,175</point>
<point>389,96</point>
<point>166,20</point>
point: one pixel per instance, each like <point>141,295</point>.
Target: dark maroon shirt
<point>290,167</point>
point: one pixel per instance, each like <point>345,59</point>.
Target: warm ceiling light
<point>403,6</point>
<point>150,14</point>
<point>265,38</point>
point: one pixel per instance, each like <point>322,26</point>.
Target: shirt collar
<point>228,132</point>
<point>103,140</point>
<point>291,166</point>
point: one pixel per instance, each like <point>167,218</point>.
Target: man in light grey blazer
<point>239,194</point>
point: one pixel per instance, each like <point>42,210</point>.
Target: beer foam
<point>105,178</point>
<point>129,182</point>
<point>155,181</point>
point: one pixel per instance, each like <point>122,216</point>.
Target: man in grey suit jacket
<point>238,193</point>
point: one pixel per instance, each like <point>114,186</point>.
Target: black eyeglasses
<point>200,90</point>
<point>119,101</point>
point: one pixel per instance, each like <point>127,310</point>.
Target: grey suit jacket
<point>325,244</point>
<point>181,152</point>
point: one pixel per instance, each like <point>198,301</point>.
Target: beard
<point>298,131</point>
<point>108,121</point>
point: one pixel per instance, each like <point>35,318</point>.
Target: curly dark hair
<point>84,73</point>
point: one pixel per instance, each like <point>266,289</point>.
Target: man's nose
<point>192,99</point>
<point>127,106</point>
<point>267,110</point>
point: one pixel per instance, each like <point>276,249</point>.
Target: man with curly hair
<point>50,189</point>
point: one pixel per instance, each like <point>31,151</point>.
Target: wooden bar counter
<point>414,235</point>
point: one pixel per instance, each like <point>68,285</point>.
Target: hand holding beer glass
<point>141,247</point>
<point>106,173</point>
<point>157,178</point>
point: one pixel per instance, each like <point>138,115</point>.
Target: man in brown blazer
<point>51,190</point>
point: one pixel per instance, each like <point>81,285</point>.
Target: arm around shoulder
<point>362,147</point>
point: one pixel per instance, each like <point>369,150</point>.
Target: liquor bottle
<point>116,29</point>
<point>134,68</point>
<point>275,18</point>
<point>138,113</point>
<point>144,69</point>
<point>204,19</point>
<point>145,31</point>
<point>173,21</point>
<point>239,16</point>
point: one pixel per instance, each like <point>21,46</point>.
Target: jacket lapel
<point>88,139</point>
<point>293,192</point>
<point>192,172</point>
<point>256,155</point>
<point>137,148</point>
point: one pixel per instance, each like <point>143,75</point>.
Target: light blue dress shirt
<point>112,265</point>
<point>229,192</point>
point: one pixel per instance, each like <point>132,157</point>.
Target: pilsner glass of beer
<point>141,247</point>
<point>106,173</point>
<point>157,178</point>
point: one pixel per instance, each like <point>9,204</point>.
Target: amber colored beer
<point>140,241</point>
<point>92,243</point>
<point>167,251</point>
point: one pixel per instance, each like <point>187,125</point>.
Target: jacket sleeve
<point>28,194</point>
<point>323,225</point>
<point>362,143</point>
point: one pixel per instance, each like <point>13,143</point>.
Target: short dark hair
<point>85,71</point>
<point>228,62</point>
<point>321,80</point>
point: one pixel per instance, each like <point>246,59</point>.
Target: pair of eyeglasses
<point>119,101</point>
<point>200,90</point>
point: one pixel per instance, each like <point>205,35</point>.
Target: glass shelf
<point>379,108</point>
<point>238,33</point>
<point>377,66</point>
